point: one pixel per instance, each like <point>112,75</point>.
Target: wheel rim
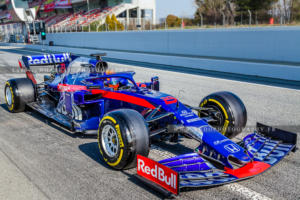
<point>110,141</point>
<point>216,114</point>
<point>8,96</point>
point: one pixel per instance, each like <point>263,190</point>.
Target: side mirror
<point>155,83</point>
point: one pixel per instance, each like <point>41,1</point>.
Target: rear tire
<point>229,111</point>
<point>18,92</point>
<point>122,135</point>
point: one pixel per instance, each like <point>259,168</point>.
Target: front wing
<point>266,147</point>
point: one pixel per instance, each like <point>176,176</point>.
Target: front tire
<point>18,92</point>
<point>122,135</point>
<point>228,112</point>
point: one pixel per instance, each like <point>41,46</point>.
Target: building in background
<point>81,12</point>
<point>13,15</point>
<point>15,11</point>
<point>71,15</point>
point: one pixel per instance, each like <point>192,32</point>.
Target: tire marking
<point>108,117</point>
<point>117,127</point>
<point>121,143</point>
<point>118,161</point>
<point>225,127</point>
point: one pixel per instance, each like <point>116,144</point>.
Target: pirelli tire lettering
<point>122,135</point>
<point>228,111</point>
<point>17,93</point>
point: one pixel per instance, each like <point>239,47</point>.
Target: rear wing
<point>47,59</point>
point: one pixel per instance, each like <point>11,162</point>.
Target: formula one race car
<point>82,95</point>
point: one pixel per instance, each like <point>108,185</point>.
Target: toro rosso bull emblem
<point>48,59</point>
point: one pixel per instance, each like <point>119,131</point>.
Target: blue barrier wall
<point>279,44</point>
<point>272,52</point>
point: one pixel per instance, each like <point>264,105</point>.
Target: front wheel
<point>226,111</point>
<point>122,135</point>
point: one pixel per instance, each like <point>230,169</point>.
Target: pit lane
<point>61,165</point>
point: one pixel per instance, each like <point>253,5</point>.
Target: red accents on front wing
<point>124,97</point>
<point>248,170</point>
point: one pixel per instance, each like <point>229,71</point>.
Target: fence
<point>131,24</point>
<point>245,19</point>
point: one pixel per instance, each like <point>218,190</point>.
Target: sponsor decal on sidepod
<point>157,173</point>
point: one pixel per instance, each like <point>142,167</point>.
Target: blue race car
<point>82,95</point>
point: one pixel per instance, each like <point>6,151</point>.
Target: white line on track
<point>246,192</point>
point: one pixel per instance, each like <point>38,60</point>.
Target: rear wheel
<point>18,92</point>
<point>122,135</point>
<point>227,112</point>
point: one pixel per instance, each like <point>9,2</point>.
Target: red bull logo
<point>158,173</point>
<point>48,59</point>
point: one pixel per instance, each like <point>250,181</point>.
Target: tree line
<point>246,11</point>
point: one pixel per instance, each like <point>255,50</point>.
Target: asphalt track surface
<point>41,160</point>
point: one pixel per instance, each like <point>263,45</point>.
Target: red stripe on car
<point>107,94</point>
<point>124,97</point>
<point>70,88</point>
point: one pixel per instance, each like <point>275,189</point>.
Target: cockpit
<point>82,72</point>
